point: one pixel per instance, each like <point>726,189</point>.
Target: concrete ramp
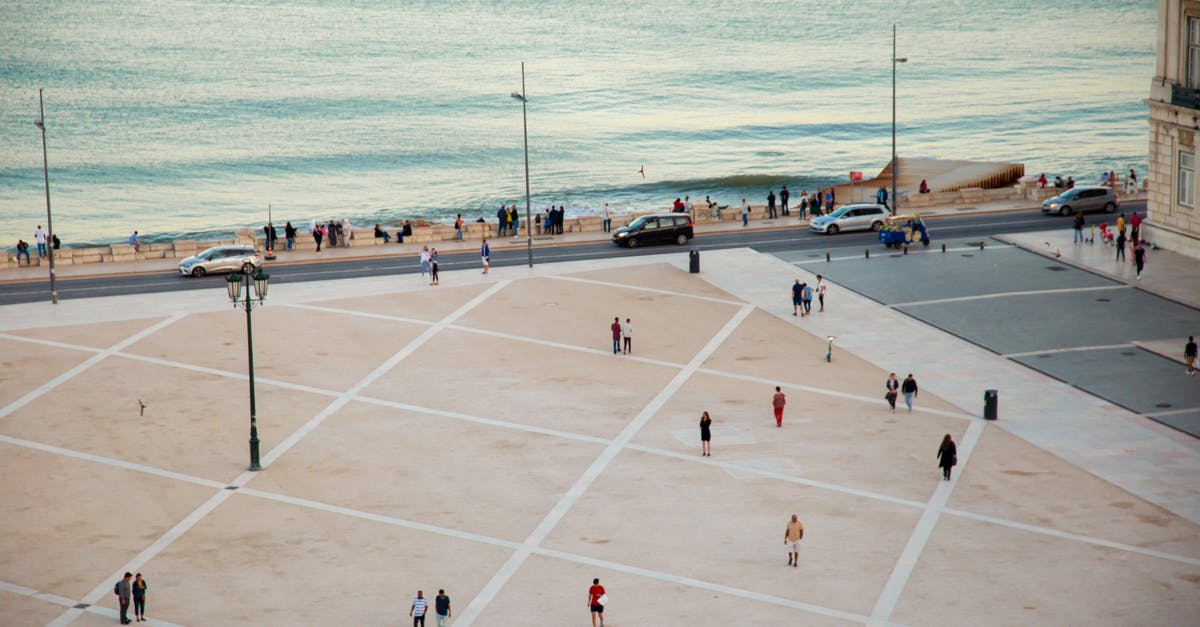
<point>942,175</point>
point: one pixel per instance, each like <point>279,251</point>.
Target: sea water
<point>190,118</point>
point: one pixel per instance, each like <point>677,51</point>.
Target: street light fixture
<point>520,95</point>
<point>242,298</point>
<point>895,161</point>
<point>41,123</point>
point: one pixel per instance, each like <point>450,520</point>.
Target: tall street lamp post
<point>525,127</point>
<point>895,161</point>
<point>41,123</point>
<point>242,298</point>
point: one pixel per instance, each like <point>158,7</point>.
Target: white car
<point>862,217</point>
<point>219,259</point>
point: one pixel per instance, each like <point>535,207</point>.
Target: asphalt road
<point>954,230</point>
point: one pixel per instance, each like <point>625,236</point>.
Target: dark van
<point>655,229</point>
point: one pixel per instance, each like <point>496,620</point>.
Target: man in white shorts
<point>791,538</point>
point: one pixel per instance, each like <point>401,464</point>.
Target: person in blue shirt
<point>485,252</point>
<point>441,607</point>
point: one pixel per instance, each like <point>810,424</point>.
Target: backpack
<point>117,588</point>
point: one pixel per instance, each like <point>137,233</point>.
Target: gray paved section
<point>1187,422</point>
<point>1131,377</point>
<point>930,276</point>
<point>1038,322</point>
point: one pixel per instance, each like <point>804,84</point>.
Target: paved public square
<point>481,437</point>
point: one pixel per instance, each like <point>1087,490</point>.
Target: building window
<point>1193,53</point>
<point>1185,179</point>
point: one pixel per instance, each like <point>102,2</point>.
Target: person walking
<point>458,226</point>
<point>783,201</point>
<point>424,261</point>
<point>39,238</point>
<point>791,539</point>
<point>1139,257</point>
<point>1189,355</point>
<point>771,204</point>
<point>705,435</point>
<point>892,386</point>
<point>1135,226</point>
<point>606,224</point>
<point>123,592</point>
<point>318,233</point>
<point>289,233</point>
<point>820,293</point>
<point>745,213</point>
<point>909,388</point>
<point>139,597</point>
<point>485,253</point>
<point>808,296</point>
<point>797,297</point>
<point>433,267</point>
<point>1120,245</point>
<point>627,333</point>
<point>1121,222</point>
<point>777,402</point>
<point>596,598</point>
<point>615,327</point>
<point>23,249</point>
<point>419,606</point>
<point>441,608</point>
<point>1077,226</point>
<point>947,456</point>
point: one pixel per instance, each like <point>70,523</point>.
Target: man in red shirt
<point>616,333</point>
<point>595,593</point>
<point>778,402</point>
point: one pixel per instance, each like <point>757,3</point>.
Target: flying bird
<point>141,408</point>
<point>642,171</point>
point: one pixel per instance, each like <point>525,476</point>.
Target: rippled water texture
<point>190,117</point>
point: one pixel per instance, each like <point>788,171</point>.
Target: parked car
<point>859,217</point>
<point>1085,198</point>
<point>655,229</point>
<point>219,259</point>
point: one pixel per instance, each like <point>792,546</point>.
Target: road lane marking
<point>959,299</point>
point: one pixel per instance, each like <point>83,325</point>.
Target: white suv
<point>851,218</point>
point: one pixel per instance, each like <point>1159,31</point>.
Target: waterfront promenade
<point>481,437</point>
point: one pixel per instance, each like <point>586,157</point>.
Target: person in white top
<point>821,293</point>
<point>687,205</point>
<point>426,261</point>
<point>347,231</point>
<point>745,213</point>
<point>607,224</point>
<point>627,333</point>
<point>39,236</point>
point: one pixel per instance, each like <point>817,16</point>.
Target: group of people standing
<point>131,588</point>
<point>1118,238</point>
<point>429,264</point>
<point>330,234</point>
<point>551,222</point>
<point>802,297</point>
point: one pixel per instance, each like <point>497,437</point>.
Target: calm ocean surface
<point>189,118</point>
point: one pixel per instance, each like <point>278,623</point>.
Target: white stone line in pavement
<point>835,393</point>
<point>228,374</point>
<point>890,596</point>
<point>491,422</point>
<point>1073,349</point>
<point>84,365</point>
<point>960,299</point>
<point>364,314</point>
<point>1172,412</point>
<point>378,372</point>
<point>43,342</point>
<point>568,500</point>
<point>109,461</point>
<point>652,290</point>
<point>71,603</point>
<point>570,347</point>
<point>804,262</point>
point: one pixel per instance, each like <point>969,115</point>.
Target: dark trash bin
<point>990,404</point>
<point>694,261</point>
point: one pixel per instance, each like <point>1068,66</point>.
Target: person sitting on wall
<point>1058,182</point>
<point>380,233</point>
<point>925,187</point>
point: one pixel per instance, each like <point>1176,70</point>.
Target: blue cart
<point>901,230</point>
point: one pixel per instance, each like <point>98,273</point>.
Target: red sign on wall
<point>856,177</point>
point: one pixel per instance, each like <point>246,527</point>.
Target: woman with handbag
<point>892,386</point>
<point>947,456</point>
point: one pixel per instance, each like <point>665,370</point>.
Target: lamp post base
<point>254,465</point>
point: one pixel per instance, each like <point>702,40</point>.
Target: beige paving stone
<point>257,562</point>
<point>580,314</point>
<point>1010,478</point>
<point>842,441</point>
<point>26,367</point>
<point>659,276</point>
<point>981,574</point>
<point>766,346</point>
<point>22,611</point>
<point>703,522</point>
<point>95,335</point>
<point>321,349</point>
<point>460,475</point>
<point>553,592</point>
<point>69,523</point>
<point>430,303</point>
<point>526,383</point>
<point>194,423</point>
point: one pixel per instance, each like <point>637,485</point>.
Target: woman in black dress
<point>892,386</point>
<point>705,435</point>
<point>947,456</point>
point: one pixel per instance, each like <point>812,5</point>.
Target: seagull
<point>642,171</point>
<point>141,408</point>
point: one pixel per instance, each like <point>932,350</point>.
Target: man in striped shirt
<point>417,611</point>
